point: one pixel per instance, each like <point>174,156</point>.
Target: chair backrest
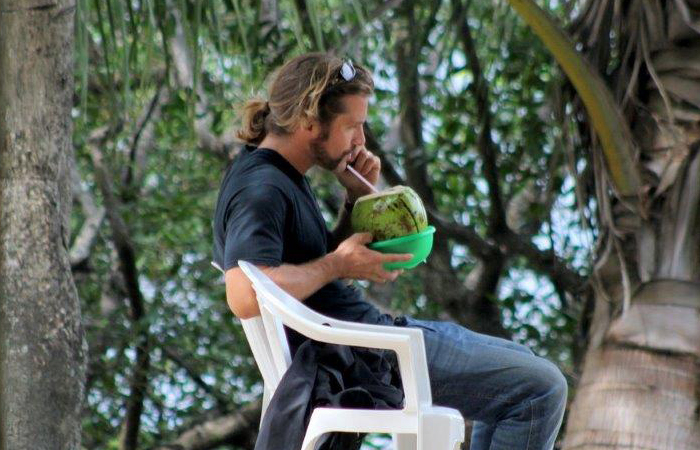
<point>265,334</point>
<point>272,299</point>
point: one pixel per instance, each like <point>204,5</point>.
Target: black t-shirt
<point>266,214</point>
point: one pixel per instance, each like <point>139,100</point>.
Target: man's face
<point>343,135</point>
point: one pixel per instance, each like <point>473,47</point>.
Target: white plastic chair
<point>419,425</point>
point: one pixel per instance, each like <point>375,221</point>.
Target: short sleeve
<point>254,226</point>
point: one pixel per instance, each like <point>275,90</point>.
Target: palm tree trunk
<point>639,388</point>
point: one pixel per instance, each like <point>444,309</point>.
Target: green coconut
<point>391,213</point>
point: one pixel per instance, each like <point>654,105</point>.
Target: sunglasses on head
<point>347,70</point>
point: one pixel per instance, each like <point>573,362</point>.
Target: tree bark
<point>640,386</point>
<point>42,346</point>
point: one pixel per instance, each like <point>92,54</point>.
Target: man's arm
<point>352,259</point>
<point>300,281</point>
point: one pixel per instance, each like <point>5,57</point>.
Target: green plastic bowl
<point>419,244</point>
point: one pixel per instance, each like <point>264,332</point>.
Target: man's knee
<point>551,382</point>
<point>561,387</point>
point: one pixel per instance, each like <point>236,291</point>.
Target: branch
<point>483,282</point>
<point>510,243</point>
<point>231,428</point>
<point>120,234</point>
<point>144,139</point>
<point>353,35</point>
<point>411,120</point>
<point>305,21</point>
<point>82,245</point>
<point>463,234</point>
<point>127,265</point>
<point>221,147</point>
<point>430,22</point>
<point>545,262</point>
<point>269,16</point>
<point>101,88</point>
<point>110,302</point>
<point>487,149</point>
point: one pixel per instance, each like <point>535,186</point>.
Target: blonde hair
<point>306,88</point>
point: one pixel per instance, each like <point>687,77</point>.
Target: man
<point>267,214</point>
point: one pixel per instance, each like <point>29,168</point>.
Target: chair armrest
<point>335,331</point>
<point>359,326</point>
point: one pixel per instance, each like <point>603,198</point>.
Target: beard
<point>320,152</point>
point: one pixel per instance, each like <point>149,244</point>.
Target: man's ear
<point>311,126</point>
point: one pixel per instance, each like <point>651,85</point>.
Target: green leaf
<point>606,117</point>
<point>315,24</point>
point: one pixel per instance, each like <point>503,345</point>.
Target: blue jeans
<point>516,399</point>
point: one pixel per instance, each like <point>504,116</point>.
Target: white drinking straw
<point>361,178</point>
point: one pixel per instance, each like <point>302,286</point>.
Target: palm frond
<point>606,117</point>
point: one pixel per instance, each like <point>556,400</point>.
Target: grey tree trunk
<point>42,347</point>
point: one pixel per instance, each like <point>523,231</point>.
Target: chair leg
<point>267,396</point>
<point>434,440</point>
<point>440,432</point>
<point>405,441</point>
<point>310,442</point>
<point>318,426</point>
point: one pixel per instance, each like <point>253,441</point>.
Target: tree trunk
<point>42,347</point>
<point>639,389</point>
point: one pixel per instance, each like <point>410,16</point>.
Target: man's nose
<point>359,137</point>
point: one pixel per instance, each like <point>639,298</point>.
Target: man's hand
<point>367,164</point>
<point>358,262</point>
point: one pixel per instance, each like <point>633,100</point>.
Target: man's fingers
<point>366,167</point>
<point>363,238</point>
<point>375,278</point>
<point>396,257</point>
<point>388,275</point>
<point>365,163</point>
<point>374,165</point>
<point>394,274</point>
